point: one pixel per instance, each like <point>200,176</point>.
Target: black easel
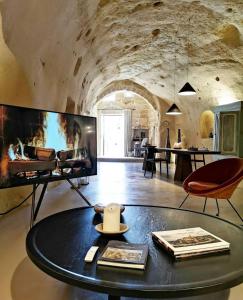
<point>35,209</point>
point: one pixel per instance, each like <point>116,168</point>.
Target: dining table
<point>184,161</point>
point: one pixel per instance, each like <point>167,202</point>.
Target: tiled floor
<point>116,182</point>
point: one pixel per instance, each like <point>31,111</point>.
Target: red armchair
<point>216,180</point>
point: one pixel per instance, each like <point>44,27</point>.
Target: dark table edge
<point>187,151</point>
<point>116,289</point>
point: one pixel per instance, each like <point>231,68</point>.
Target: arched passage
<point>124,119</point>
<point>159,105</point>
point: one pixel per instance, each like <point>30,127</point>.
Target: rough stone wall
<point>15,90</point>
<point>14,87</point>
<point>75,49</point>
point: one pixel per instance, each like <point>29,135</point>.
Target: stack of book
<point>189,242</point>
<point>124,255</point>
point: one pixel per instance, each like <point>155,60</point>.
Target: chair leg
<point>145,168</point>
<point>205,203</point>
<point>167,169</point>
<point>217,214</point>
<point>235,210</point>
<point>203,159</point>
<point>153,167</point>
<point>160,167</point>
<point>195,164</point>
<point>183,200</point>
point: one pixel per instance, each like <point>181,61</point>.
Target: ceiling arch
<point>76,49</point>
<point>129,85</point>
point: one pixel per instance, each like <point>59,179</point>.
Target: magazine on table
<point>182,243</point>
<point>124,255</point>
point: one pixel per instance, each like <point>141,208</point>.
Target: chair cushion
<point>201,185</point>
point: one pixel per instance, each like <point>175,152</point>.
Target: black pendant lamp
<point>173,110</point>
<point>187,90</point>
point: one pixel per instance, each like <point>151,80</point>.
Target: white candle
<point>111,221</point>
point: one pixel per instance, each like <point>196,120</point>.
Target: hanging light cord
<point>188,48</point>
<point>175,64</point>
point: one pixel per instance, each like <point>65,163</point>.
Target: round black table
<point>58,245</point>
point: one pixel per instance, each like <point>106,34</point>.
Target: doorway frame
<point>100,141</point>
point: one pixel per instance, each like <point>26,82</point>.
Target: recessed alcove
<point>70,105</point>
<point>206,124</point>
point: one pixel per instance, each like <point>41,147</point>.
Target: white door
<point>113,135</point>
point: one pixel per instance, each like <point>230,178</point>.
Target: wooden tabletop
<point>187,151</point>
<point>58,245</point>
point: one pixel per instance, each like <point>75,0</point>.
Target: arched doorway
<point>124,118</point>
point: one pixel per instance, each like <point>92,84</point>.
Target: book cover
<point>189,241</point>
<point>125,255</point>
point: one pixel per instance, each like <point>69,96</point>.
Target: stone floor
<point>117,182</point>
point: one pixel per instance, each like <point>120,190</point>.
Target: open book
<point>189,242</point>
<point>124,255</point>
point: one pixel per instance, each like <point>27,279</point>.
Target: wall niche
<point>206,124</point>
<point>70,105</point>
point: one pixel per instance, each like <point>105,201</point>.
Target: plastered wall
<point>14,90</point>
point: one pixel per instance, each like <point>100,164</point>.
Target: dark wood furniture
<point>195,160</point>
<point>58,244</point>
<point>35,207</point>
<point>183,161</point>
<point>150,161</point>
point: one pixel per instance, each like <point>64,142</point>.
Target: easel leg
<point>40,200</point>
<point>78,191</point>
<point>33,205</point>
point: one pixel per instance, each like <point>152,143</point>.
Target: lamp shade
<point>173,110</point>
<point>187,90</point>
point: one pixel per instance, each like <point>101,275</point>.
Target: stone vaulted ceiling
<point>76,48</point>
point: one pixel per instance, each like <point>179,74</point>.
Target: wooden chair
<point>150,161</point>
<point>216,180</point>
<point>195,160</point>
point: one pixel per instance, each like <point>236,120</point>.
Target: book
<point>124,255</point>
<point>189,242</point>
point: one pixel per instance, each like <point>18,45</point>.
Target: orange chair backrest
<point>220,171</point>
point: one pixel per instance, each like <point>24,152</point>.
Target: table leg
<point>110,297</point>
<point>183,167</point>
